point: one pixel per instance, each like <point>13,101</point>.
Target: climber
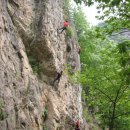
<point>77,125</point>
<point>58,76</point>
<point>66,24</point>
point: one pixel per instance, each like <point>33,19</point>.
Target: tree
<point>105,75</point>
<point>114,12</point>
<point>90,2</point>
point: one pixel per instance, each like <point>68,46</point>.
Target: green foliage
<point>90,2</point>
<point>70,32</point>
<point>105,75</point>
<point>1,104</point>
<point>87,115</point>
<point>45,127</point>
<point>72,74</point>
<point>34,64</point>
<point>3,114</point>
<point>45,113</point>
<point>114,12</point>
<point>66,8</point>
<point>116,17</point>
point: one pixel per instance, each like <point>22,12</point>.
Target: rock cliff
<point>28,101</point>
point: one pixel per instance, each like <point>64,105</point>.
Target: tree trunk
<point>111,125</point>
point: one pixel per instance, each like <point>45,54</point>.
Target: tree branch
<point>123,114</point>
<point>122,93</point>
<point>104,94</point>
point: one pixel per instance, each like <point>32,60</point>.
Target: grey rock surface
<point>29,27</point>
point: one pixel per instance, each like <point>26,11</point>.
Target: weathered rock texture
<point>29,27</point>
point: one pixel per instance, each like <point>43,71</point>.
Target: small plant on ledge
<point>69,32</point>
<point>45,113</point>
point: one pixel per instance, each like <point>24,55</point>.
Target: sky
<point>90,13</point>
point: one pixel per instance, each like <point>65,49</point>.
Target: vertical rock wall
<point>30,26</point>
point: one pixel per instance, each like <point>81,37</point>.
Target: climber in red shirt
<point>77,125</point>
<point>65,25</point>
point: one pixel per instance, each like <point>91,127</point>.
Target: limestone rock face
<point>29,28</point>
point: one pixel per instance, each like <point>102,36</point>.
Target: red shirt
<point>66,24</point>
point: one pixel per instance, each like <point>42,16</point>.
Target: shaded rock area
<point>28,28</point>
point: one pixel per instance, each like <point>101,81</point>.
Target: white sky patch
<point>90,13</point>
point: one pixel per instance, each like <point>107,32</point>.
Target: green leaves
<point>90,2</point>
<point>70,32</point>
<point>105,72</point>
<point>114,12</point>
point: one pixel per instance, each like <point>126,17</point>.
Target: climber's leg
<point>64,28</point>
<point>60,29</point>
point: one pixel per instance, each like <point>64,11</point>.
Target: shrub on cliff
<point>70,32</point>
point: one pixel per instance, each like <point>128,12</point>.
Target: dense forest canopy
<point>105,74</point>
